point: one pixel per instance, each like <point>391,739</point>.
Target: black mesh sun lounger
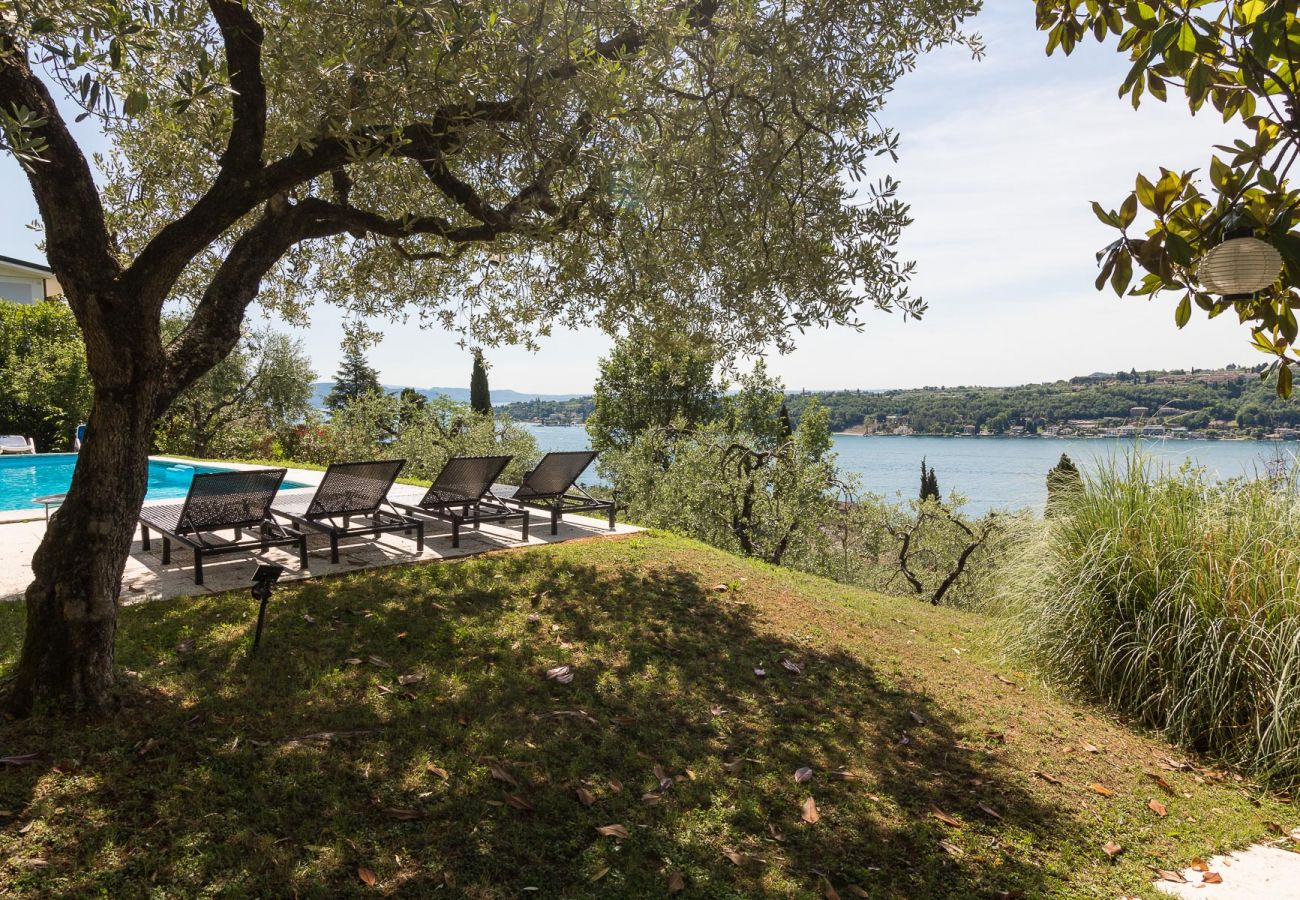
<point>348,491</point>
<point>552,487</point>
<point>459,495</point>
<point>222,501</point>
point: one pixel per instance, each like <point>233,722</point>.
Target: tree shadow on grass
<point>290,773</point>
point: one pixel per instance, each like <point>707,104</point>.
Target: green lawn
<point>400,725</point>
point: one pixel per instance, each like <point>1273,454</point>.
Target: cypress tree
<point>480,398</point>
<point>787,429</point>
<point>929,483</point>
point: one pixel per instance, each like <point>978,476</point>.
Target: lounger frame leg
<point>144,536</point>
<point>555,520</point>
<point>167,550</point>
<point>334,548</point>
<point>524,538</point>
<point>419,537</point>
<point>198,566</point>
<point>302,552</point>
<point>455,533</point>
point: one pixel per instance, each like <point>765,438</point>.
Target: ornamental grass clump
<point>1176,600</point>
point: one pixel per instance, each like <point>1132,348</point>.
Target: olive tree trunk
<point>67,654</point>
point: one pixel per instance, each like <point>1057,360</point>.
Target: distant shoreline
<point>1061,437</point>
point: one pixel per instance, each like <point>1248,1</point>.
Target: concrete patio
<point>146,578</point>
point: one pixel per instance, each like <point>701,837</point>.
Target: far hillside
<point>501,397</point>
<point>1224,400</point>
<point>1232,401</point>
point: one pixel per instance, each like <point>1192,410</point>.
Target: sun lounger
<point>459,495</point>
<point>355,490</point>
<point>552,487</point>
<point>222,501</point>
<point>16,443</point>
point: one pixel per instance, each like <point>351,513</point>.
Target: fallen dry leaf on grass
<point>1212,878</point>
<point>1112,849</point>
<point>1160,780</point>
<point>734,766</point>
<point>409,679</point>
<point>803,775</point>
<point>403,814</point>
<point>810,813</point>
<point>1158,808</point>
<point>439,771</point>
<point>1005,680</point>
<point>367,877</point>
<point>500,774</point>
<point>519,803</point>
<point>716,710</point>
<point>562,674</point>
<point>676,883</point>
<point>585,796</point>
<point>916,717</point>
<point>615,785</point>
<point>600,873</point>
<point>791,666</point>
<point>651,798</point>
<point>1089,748</point>
<point>614,831</point>
<point>952,849</point>
<point>1050,779</point>
<point>1166,875</point>
<point>737,859</point>
<point>1199,865</point>
<point>760,671</point>
<point>1101,789</point>
<point>990,812</point>
<point>944,817</point>
<point>828,890</point>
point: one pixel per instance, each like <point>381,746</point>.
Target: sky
<point>1000,160</point>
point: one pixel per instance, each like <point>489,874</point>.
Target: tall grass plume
<point>1176,600</point>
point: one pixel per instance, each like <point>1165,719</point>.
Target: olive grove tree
<point>500,167</point>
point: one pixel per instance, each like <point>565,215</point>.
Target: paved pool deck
<point>146,578</point>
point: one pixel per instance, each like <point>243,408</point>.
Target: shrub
<point>47,390</point>
<point>1174,599</point>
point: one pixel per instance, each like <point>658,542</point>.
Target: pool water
<point>24,478</point>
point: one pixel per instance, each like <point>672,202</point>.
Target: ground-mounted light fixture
<point>1240,266</point>
<point>264,580</point>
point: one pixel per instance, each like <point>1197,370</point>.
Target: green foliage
<point>929,483</point>
<point>480,397</point>
<point>1179,398</point>
<point>755,408</point>
<point>260,390</point>
<point>1063,480</point>
<point>728,490</point>
<point>46,389</point>
<point>426,433</point>
<point>1239,57</point>
<point>732,482</point>
<point>354,379</point>
<point>587,164</point>
<point>1173,599</point>
<point>644,385</point>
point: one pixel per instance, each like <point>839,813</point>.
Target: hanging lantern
<point>1239,267</point>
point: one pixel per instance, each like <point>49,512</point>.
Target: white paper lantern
<point>1240,266</point>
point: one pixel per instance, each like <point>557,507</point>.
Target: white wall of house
<point>26,282</point>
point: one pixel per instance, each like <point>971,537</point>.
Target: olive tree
<point>1237,58</point>
<point>498,168</point>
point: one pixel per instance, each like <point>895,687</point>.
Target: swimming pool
<point>24,478</point>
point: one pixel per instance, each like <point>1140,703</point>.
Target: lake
<point>991,472</point>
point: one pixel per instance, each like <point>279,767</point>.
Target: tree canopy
<point>1239,57</point>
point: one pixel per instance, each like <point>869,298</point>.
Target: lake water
<point>992,472</point>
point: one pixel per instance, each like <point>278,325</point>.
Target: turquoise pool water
<point>23,478</point>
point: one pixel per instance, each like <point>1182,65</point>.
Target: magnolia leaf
<point>614,831</point>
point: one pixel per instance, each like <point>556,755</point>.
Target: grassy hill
<point>399,726</point>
